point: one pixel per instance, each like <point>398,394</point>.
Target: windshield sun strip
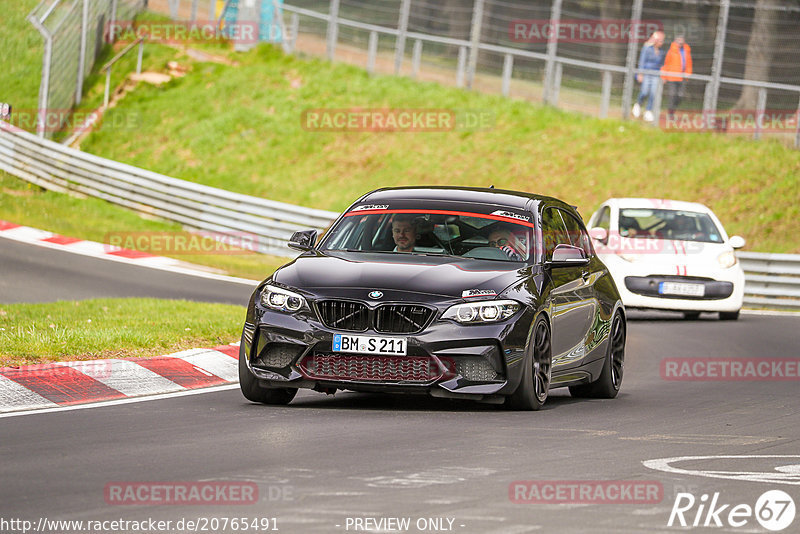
<point>445,212</point>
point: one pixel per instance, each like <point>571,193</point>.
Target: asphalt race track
<point>322,462</point>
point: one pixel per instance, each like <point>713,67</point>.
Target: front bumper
<point>446,359</point>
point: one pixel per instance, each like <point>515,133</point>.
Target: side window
<point>553,231</point>
<point>577,233</point>
<point>604,220</point>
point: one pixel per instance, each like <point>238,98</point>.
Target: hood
<point>434,275</point>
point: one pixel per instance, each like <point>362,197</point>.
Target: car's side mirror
<point>304,240</point>
<point>736,241</point>
<point>599,234</point>
<point>568,256</point>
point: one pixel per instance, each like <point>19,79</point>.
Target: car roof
<point>657,203</point>
<point>480,195</point>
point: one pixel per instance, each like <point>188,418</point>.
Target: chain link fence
<point>744,51</point>
<point>74,32</point>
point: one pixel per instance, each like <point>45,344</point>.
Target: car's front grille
<point>365,367</point>
<point>386,318</point>
<point>344,314</point>
<point>401,318</point>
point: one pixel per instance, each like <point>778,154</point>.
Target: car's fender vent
<point>344,315</point>
<point>401,318</point>
<point>368,368</point>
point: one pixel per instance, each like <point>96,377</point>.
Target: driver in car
<point>503,238</point>
<point>404,233</point>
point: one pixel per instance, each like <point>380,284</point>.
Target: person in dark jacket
<point>651,58</point>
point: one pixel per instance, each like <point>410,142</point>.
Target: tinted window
<point>553,231</point>
<point>577,233</point>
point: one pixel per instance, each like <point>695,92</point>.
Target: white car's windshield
<point>444,232</point>
<point>647,223</point>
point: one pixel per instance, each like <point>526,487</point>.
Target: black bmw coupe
<point>483,294</point>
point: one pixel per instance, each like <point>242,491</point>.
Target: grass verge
<point>108,328</point>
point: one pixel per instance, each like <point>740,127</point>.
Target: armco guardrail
<point>199,207</point>
<point>771,280</point>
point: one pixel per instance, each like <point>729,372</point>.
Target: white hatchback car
<point>671,255</point>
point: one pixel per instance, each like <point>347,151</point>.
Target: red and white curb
<point>43,238</point>
<point>53,385</point>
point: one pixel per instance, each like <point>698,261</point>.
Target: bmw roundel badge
<point>375,294</point>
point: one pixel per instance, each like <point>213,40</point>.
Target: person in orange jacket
<point>678,61</point>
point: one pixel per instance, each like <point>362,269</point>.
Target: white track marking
<point>779,476</point>
<point>213,389</point>
<point>14,396</point>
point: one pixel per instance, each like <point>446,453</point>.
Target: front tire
<point>532,391</point>
<point>253,392</point>
<point>729,316</point>
<point>691,315</point>
<point>610,380</point>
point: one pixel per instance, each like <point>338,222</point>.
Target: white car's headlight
<point>282,299</point>
<point>486,311</point>
<point>727,259</point>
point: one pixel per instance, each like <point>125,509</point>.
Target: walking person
<point>677,61</point>
<point>651,58</point>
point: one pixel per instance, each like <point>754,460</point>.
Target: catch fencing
<point>195,206</point>
<point>74,32</point>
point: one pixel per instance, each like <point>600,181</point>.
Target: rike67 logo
<point>774,510</point>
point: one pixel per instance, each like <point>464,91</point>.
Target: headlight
<point>727,259</point>
<point>487,311</point>
<point>281,299</point>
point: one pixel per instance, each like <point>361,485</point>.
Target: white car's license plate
<point>369,344</point>
<point>681,288</point>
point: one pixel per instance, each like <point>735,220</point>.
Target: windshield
<point>439,232</point>
<point>648,223</point>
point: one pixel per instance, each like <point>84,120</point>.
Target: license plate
<point>369,344</point>
<point>683,289</point>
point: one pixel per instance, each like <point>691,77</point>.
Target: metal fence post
<point>194,10</point>
<point>44,86</point>
<point>112,36</point>
<point>416,58</point>
<point>605,101</point>
<point>630,59</point>
<point>82,53</point>
<point>372,51</point>
<point>761,106</point>
<point>475,40</point>
<point>797,132</point>
<point>212,10</point>
<point>333,29</point>
<point>508,68</point>
<point>552,49</point>
<point>462,60</point>
<point>140,57</point>
<point>556,89</point>
<point>710,104</point>
<point>402,29</point>
<point>294,29</point>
